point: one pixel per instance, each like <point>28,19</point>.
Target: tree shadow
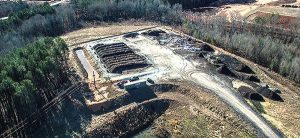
<point>160,88</point>
<point>258,106</point>
<point>66,119</point>
<point>137,95</point>
<point>142,94</point>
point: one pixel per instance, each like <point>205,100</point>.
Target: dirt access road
<point>173,66</point>
<point>244,11</point>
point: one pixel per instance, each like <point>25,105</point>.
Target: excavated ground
<point>177,111</point>
<point>187,107</point>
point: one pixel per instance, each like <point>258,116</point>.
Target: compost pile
<point>232,67</point>
<point>131,35</point>
<point>127,122</point>
<point>234,64</point>
<point>123,123</point>
<point>250,93</point>
<point>164,87</point>
<point>155,33</point>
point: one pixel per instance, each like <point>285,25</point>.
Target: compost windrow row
<point>118,57</point>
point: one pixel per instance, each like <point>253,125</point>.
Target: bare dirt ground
<point>197,109</point>
<point>243,11</point>
<point>283,115</point>
<point>192,113</point>
<point>96,32</point>
<point>216,128</point>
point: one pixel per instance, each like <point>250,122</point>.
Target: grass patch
<point>243,134</point>
<point>188,125</point>
<point>195,127</point>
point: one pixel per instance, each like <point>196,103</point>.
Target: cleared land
<point>252,10</point>
<point>274,111</point>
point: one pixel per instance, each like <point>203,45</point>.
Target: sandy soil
<point>243,11</point>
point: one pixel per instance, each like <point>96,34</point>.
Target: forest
<point>16,18</point>
<point>10,7</point>
<point>25,26</point>
<point>30,77</point>
<point>31,62</point>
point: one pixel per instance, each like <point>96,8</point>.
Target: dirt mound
<point>250,93</point>
<point>131,35</point>
<point>155,33</point>
<point>269,94</point>
<point>202,54</point>
<point>232,73</point>
<point>248,77</point>
<point>253,78</point>
<point>224,70</point>
<point>128,122</point>
<point>205,47</point>
<point>204,50</point>
<point>234,64</point>
<point>164,87</point>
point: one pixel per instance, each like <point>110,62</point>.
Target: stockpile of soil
<point>230,66</point>
<point>250,93</point>
<point>232,73</point>
<point>247,77</point>
<point>205,47</point>
<point>154,33</point>
<point>234,64</point>
<point>129,121</point>
<point>224,70</point>
<point>131,35</point>
<point>164,87</point>
<point>266,92</point>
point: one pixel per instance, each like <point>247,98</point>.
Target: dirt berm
<point>129,121</point>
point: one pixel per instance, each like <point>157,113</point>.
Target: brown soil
<point>101,31</point>
<point>191,113</point>
<point>194,104</point>
<point>283,115</point>
<point>283,20</point>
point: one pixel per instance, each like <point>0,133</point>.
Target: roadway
<point>172,65</point>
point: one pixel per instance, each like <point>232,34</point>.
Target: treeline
<point>7,8</point>
<point>118,10</point>
<point>278,55</point>
<point>27,25</point>
<point>29,78</point>
<point>66,18</point>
